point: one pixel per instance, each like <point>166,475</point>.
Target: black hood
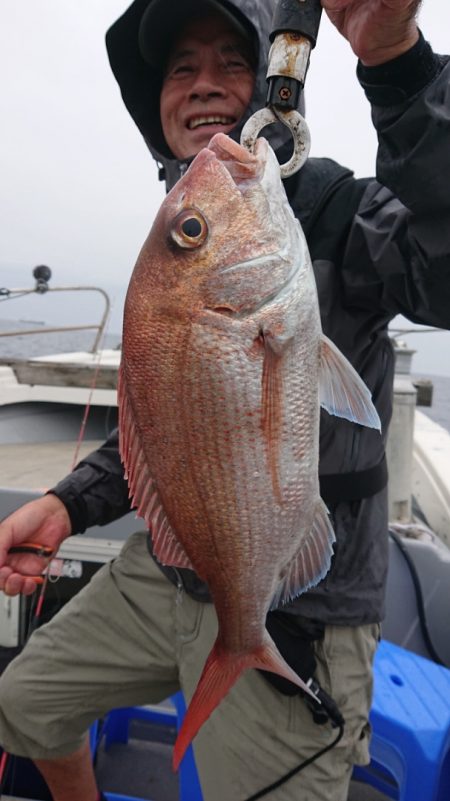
<point>140,84</point>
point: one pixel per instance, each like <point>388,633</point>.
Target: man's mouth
<point>209,119</point>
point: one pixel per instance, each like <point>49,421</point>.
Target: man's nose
<point>207,84</point>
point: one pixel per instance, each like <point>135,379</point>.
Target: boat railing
<point>404,354</point>
<point>396,332</point>
<point>408,393</point>
<point>42,275</point>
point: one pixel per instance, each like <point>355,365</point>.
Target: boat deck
<point>144,769</point>
<point>38,466</point>
<point>78,369</point>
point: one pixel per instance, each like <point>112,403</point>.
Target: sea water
<point>26,346</point>
<point>439,411</point>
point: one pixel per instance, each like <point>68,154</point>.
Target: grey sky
<point>78,190</point>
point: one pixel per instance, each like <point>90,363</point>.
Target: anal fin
<point>312,560</point>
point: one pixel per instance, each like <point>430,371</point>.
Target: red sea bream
<point>224,368</point>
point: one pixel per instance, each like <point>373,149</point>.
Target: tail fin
<point>222,669</point>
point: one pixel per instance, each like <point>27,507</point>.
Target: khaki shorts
<point>130,637</point>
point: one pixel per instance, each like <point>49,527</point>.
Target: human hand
<point>378,30</point>
<point>44,521</point>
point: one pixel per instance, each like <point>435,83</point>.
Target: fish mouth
<point>246,168</point>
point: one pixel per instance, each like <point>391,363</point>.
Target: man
<point>139,631</point>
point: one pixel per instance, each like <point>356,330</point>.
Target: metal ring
<point>297,126</point>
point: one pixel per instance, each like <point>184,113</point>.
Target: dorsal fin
<point>142,487</point>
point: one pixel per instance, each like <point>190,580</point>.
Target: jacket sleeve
<point>397,257</point>
<point>96,492</point>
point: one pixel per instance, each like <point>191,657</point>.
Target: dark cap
<point>163,21</point>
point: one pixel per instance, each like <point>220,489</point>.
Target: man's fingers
<point>15,584</point>
<point>5,572</point>
<point>30,585</point>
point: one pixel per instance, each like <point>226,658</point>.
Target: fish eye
<point>189,229</point>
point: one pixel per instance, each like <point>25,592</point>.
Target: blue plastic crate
<point>116,729</point>
<point>410,716</point>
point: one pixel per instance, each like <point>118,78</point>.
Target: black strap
<point>295,644</point>
<point>335,487</point>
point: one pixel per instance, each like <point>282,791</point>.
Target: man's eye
<point>235,64</point>
<point>181,69</point>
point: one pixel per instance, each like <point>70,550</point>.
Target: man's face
<point>207,86</point>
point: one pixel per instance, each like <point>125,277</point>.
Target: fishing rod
<point>7,760</point>
<point>42,275</point>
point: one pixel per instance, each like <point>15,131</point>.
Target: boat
<point>418,454</point>
<point>54,408</point>
<point>45,429</point>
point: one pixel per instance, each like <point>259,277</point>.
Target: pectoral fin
<point>272,406</point>
<point>342,392</point>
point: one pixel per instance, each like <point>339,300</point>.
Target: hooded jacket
<point>379,247</point>
<point>140,84</point>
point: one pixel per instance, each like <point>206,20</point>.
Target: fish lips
<point>236,162</point>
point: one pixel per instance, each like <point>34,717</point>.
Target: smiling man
<point>140,631</point>
<point>208,65</point>
<point>207,86</point>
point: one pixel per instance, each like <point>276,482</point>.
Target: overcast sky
<point>78,190</point>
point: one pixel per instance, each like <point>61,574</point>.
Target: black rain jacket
<point>379,247</point>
